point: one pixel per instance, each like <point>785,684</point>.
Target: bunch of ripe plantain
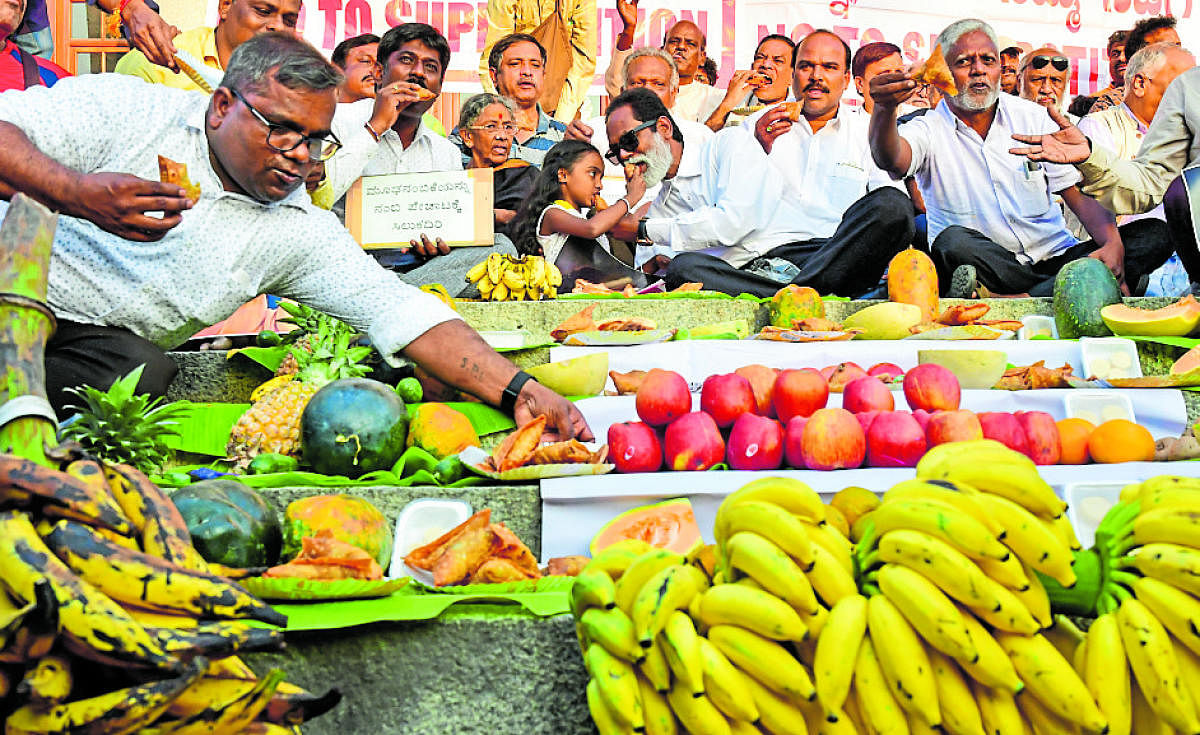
<point>505,278</point>
<point>1141,656</point>
<point>111,622</point>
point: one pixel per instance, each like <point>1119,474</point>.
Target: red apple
<point>895,439</point>
<point>833,440</point>
<point>634,447</point>
<point>793,442</point>
<point>762,382</point>
<point>662,397</point>
<point>922,416</point>
<point>843,374</point>
<point>799,393</point>
<point>694,442</point>
<point>867,394</point>
<point>888,372</point>
<point>931,387</point>
<point>1041,436</point>
<point>952,426</point>
<point>1004,428</point>
<point>725,397</point>
<point>865,418</point>
<point>755,443</point>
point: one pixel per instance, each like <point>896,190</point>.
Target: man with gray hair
<point>1121,129</point>
<point>125,284</point>
<point>993,221</point>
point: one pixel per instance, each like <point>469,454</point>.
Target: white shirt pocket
<point>847,183</point>
<point>1030,193</point>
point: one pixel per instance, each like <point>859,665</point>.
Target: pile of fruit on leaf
<point>758,418</point>
<point>111,621</point>
<point>940,608</point>
<point>507,278</point>
<point>478,551</point>
<point>628,290</point>
<point>583,321</point>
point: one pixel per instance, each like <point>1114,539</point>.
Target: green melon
<point>353,426</point>
<point>670,524</point>
<point>230,523</point>
<point>1082,288</point>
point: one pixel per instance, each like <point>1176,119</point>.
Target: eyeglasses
<point>493,128</point>
<point>628,142</point>
<point>284,139</point>
<point>1040,61</point>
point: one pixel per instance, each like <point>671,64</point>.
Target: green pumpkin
<point>230,523</point>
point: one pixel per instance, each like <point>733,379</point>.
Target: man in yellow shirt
<point>238,21</point>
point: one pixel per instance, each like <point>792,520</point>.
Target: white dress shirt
<point>1120,131</point>
<point>229,247</point>
<point>823,172</point>
<point>975,182</point>
<point>722,201</point>
<point>360,155</point>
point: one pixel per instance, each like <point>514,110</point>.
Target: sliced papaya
<point>1177,320</point>
<point>670,525</point>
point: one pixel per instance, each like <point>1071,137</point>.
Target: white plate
<point>472,457</point>
<point>1037,325</point>
<point>1109,357</point>
<point>420,522</point>
<point>1087,503</point>
<point>1099,406</point>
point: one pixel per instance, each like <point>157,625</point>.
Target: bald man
<point>686,44</point>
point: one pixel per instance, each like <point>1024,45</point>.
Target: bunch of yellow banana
<point>1141,656</point>
<point>506,278</point>
<point>99,582</point>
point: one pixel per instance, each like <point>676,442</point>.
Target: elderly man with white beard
<point>992,218</point>
<point>722,207</point>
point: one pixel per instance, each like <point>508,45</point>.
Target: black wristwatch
<point>508,399</point>
<point>642,236</point>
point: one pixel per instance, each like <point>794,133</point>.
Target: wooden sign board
<point>389,211</point>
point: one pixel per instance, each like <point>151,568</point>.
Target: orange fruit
<point>1121,441</point>
<point>1073,440</point>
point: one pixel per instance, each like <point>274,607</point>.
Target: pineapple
<point>120,426</point>
<point>272,423</point>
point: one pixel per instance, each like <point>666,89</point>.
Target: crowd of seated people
<point>779,175</point>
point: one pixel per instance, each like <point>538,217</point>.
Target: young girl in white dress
<point>563,201</point>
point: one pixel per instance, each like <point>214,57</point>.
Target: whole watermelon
<point>353,426</point>
<point>350,518</point>
<point>1081,289</point>
<point>230,523</point>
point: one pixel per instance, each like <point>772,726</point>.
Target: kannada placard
<point>390,211</point>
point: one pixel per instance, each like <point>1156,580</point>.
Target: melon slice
<point>1177,320</point>
<point>889,320</point>
<point>579,376</point>
<point>1189,362</point>
<point>670,525</point>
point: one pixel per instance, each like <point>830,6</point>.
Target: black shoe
<point>962,283</point>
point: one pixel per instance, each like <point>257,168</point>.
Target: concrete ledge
<point>503,674</point>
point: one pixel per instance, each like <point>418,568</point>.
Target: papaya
<point>912,279</point>
<point>353,426</point>
<point>230,523</point>
<point>440,430</point>
<point>1177,320</point>
<point>792,303</point>
<point>1081,289</point>
<point>670,525</point>
<point>349,518</point>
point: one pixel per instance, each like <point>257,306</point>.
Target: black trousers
<point>85,354</point>
<point>850,263</point>
<point>1147,246</point>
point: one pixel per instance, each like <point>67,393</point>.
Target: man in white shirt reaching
<point>126,284</point>
<point>989,211</point>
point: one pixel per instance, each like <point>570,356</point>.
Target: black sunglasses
<point>1059,62</point>
<point>628,142</point>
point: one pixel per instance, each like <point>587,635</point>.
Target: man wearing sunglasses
<point>126,284</point>
<point>993,220</point>
<point>1044,73</point>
